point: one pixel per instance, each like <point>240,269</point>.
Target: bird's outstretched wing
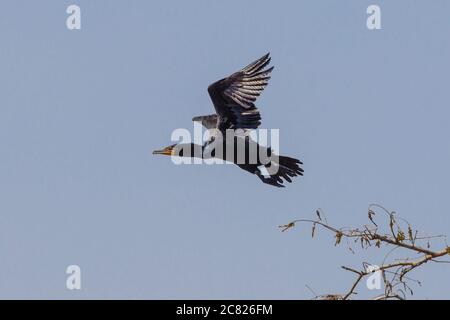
<point>233,97</point>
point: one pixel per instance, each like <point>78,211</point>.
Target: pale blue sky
<point>81,111</point>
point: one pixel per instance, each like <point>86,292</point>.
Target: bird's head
<point>182,150</point>
<point>167,151</point>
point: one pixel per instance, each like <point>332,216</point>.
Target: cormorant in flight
<point>233,98</point>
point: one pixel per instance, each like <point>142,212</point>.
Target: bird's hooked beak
<point>167,151</point>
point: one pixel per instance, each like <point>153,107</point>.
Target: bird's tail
<point>285,168</point>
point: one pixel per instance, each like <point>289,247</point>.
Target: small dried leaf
<point>287,226</point>
<point>378,244</point>
<point>318,215</point>
<point>371,214</point>
<point>338,237</point>
<point>410,234</point>
<point>313,230</point>
<point>400,236</point>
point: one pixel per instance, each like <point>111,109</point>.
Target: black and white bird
<point>234,99</point>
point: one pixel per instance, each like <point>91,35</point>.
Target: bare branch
<point>399,236</point>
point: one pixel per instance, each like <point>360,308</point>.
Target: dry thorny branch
<point>398,234</point>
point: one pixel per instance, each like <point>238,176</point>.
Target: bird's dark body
<point>249,156</point>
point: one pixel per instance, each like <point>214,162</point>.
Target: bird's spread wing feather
<point>234,97</point>
<point>209,121</point>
